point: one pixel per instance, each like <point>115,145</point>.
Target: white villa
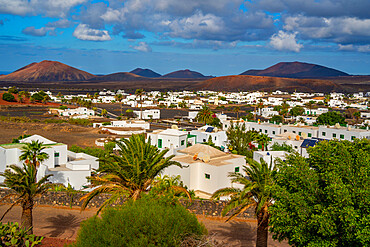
<point>205,169</point>
<point>75,112</point>
<point>149,114</point>
<point>67,167</point>
<point>172,139</point>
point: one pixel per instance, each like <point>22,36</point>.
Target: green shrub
<point>8,97</point>
<point>63,107</point>
<point>16,140</point>
<point>11,234</point>
<point>13,90</point>
<point>77,121</point>
<point>147,222</point>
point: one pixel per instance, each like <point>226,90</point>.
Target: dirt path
<point>63,223</point>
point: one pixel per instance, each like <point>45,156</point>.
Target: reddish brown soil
<point>64,133</point>
<point>60,225</point>
<point>247,83</point>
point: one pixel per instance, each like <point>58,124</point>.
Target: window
<point>273,132</point>
<point>207,176</point>
<point>266,131</point>
<point>237,169</point>
<point>309,135</point>
<point>323,133</point>
<point>204,140</point>
<point>285,131</point>
<point>182,142</point>
<point>334,135</point>
<point>341,136</point>
<point>260,130</point>
<point>159,143</point>
<point>352,138</point>
<point>56,155</point>
<point>299,133</point>
<point>296,147</point>
<point>252,128</point>
<point>215,138</point>
<point>294,131</point>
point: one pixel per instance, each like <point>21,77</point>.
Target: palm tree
<point>104,112</point>
<point>22,182</point>
<point>33,153</point>
<point>255,193</point>
<point>119,98</point>
<point>140,93</point>
<point>130,172</point>
<point>263,140</point>
<point>21,96</point>
<point>205,115</point>
<point>237,110</point>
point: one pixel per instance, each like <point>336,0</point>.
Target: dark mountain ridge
<point>146,73</point>
<point>296,70</point>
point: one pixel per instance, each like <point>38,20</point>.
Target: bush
<point>147,222</point>
<point>13,90</point>
<point>8,97</point>
<point>63,107</point>
<point>11,234</point>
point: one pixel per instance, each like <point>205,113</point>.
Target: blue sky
<point>214,37</point>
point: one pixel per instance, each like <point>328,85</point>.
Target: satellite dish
<point>304,135</point>
<point>174,127</point>
<point>349,128</point>
<point>337,125</point>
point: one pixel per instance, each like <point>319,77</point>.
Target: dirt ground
<point>64,133</point>
<point>60,225</point>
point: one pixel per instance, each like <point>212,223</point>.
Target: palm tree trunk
<point>26,219</point>
<point>262,231</point>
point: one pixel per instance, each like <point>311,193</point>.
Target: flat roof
<point>20,145</point>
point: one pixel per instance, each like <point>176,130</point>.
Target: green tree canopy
<point>330,118</point>
<point>296,111</point>
<point>324,200</point>
<point>239,139</point>
<point>276,119</point>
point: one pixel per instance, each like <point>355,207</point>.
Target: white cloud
<point>84,32</point>
<point>142,46</point>
<point>39,32</point>
<point>364,48</point>
<point>346,47</point>
<point>283,41</point>
<point>50,8</point>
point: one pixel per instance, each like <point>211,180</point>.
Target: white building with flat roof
<point>149,114</point>
<point>342,133</point>
<point>67,167</point>
<point>172,139</point>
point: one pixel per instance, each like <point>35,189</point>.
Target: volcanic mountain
<point>184,74</point>
<point>47,71</point>
<point>120,76</point>
<point>296,70</point>
<point>264,83</point>
<point>145,72</point>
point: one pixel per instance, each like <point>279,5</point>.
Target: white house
<point>172,139</point>
<point>76,112</point>
<point>342,133</point>
<point>206,169</point>
<point>149,114</point>
<point>269,156</point>
<point>67,167</point>
<point>218,137</point>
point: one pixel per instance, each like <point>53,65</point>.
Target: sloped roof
<point>206,149</point>
<point>37,138</point>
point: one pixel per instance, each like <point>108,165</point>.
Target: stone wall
<point>199,207</point>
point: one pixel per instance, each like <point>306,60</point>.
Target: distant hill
<point>296,70</point>
<point>145,72</point>
<point>121,76</point>
<point>47,71</point>
<point>184,74</point>
<point>264,83</point>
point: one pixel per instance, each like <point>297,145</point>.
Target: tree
<point>119,98</point>
<point>129,172</point>
<point>13,90</point>
<point>140,92</point>
<point>205,115</point>
<point>324,200</point>
<point>263,140</point>
<point>357,116</point>
<point>23,181</point>
<point>309,105</point>
<point>21,96</point>
<point>255,193</point>
<point>284,110</point>
<point>296,111</point>
<point>237,110</point>
<point>277,119</point>
<point>8,97</point>
<point>239,140</point>
<point>104,112</point>
<point>33,153</point>
<point>330,118</point>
